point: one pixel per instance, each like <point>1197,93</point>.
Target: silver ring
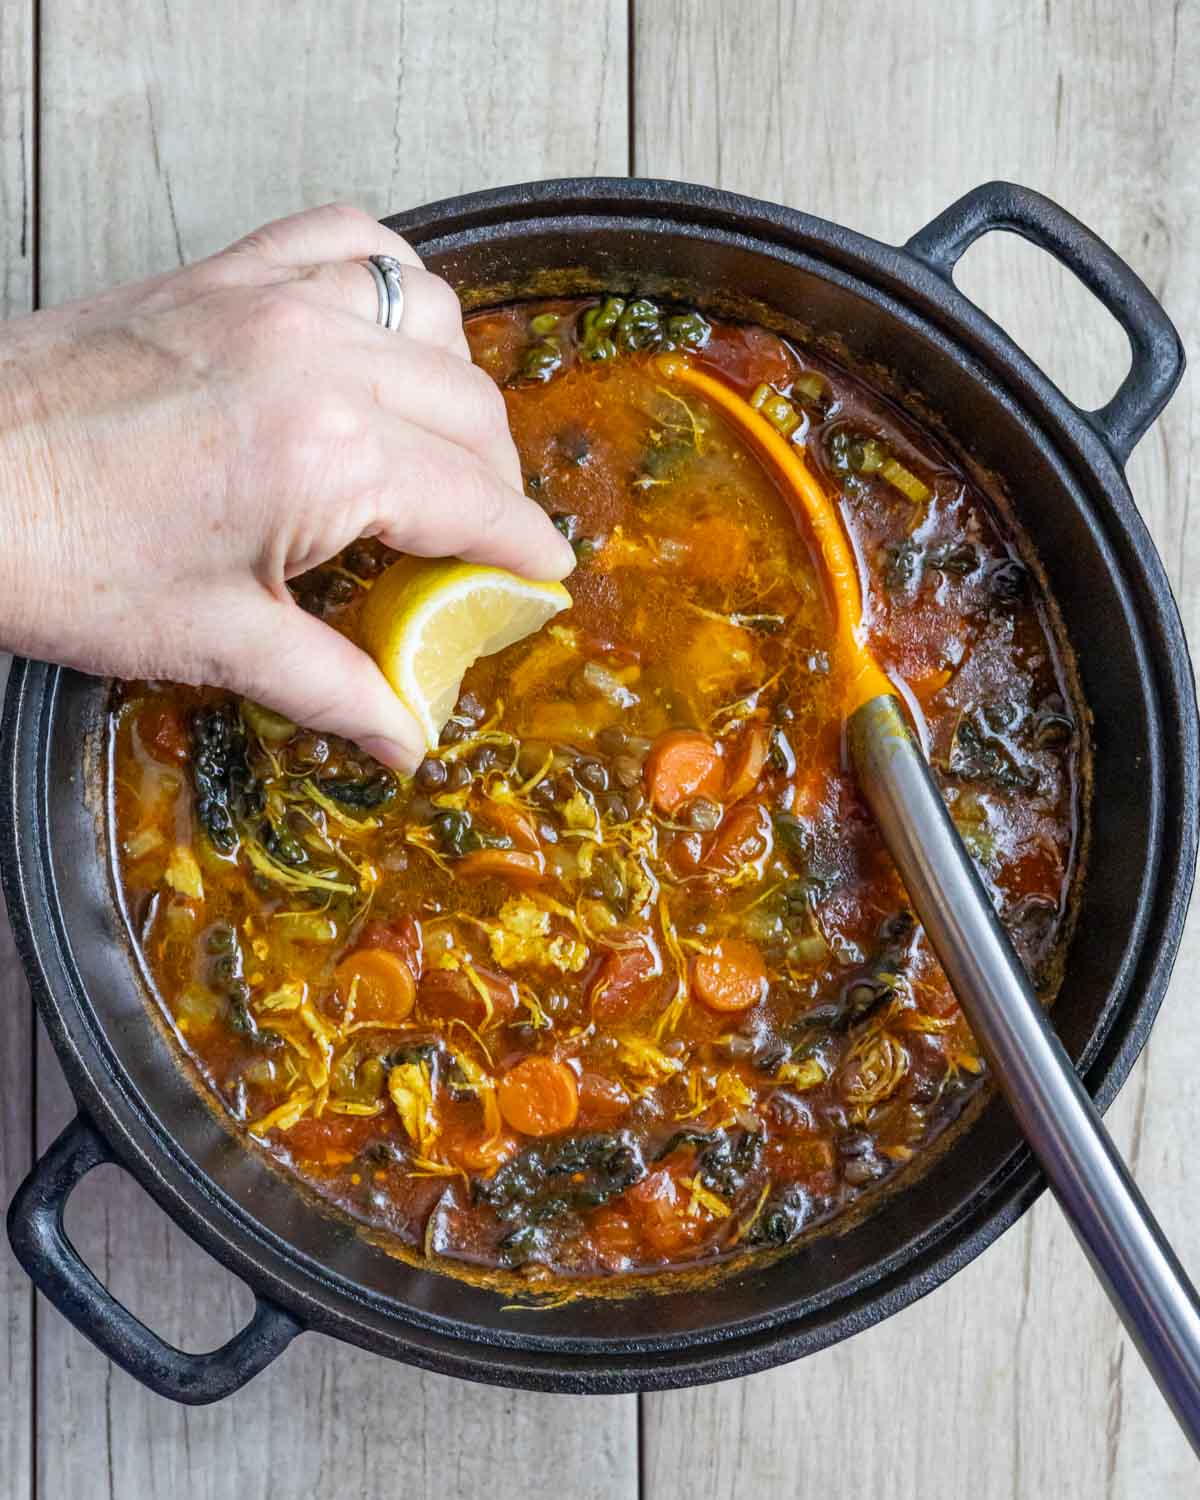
<point>387,271</point>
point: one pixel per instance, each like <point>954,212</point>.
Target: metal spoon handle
<point>1128,1251</point>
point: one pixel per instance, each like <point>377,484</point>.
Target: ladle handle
<point>1145,1281</point>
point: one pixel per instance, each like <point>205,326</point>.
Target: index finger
<point>336,231</point>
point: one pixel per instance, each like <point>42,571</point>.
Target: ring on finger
<point>389,285</point>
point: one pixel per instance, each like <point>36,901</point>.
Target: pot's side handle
<point>39,1239</point>
<point>1158,357</point>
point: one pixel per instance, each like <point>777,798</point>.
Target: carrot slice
<point>730,977</point>
<point>520,865</point>
<point>539,1096</point>
<point>683,764</point>
<point>383,985</point>
<point>747,762</point>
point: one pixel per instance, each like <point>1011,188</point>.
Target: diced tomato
<point>403,937</point>
<point>312,1138</point>
<point>684,852</point>
<point>163,733</point>
<point>517,865</point>
<point>627,979</point>
<point>613,1238</point>
<point>601,1100</point>
<point>510,820</point>
<point>660,1204</point>
<point>745,838</point>
<point>482,1153</point>
<point>450,993</point>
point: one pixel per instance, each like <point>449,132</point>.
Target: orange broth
<point>623,980</point>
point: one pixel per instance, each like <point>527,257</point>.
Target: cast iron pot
<point>894,308</point>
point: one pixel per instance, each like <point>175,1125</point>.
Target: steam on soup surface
<point>624,980</point>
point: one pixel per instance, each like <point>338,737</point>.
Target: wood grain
<point>167,130</point>
<point>1014,1378</point>
<point>17,202</point>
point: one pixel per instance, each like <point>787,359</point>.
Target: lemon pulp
<point>426,620</point>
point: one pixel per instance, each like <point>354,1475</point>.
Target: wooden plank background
<point>138,136</point>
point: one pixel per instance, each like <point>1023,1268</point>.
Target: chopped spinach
<point>227,791</point>
<point>727,1157</point>
<point>549,1179</point>
<point>959,559</point>
<point>976,756</point>
<point>1008,582</point>
<point>367,792</point>
<point>782,1218</point>
<point>901,569</point>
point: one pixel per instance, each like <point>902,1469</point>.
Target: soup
<point>623,980</point>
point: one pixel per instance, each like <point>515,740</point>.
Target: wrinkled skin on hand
<point>172,452</point>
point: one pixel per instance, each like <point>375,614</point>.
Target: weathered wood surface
<point>1013,1379</point>
<point>167,129</point>
<point>17,205</point>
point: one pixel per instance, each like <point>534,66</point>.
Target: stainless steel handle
<point>1137,1267</point>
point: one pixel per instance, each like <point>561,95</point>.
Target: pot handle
<point>35,1227</point>
<point>1158,357</point>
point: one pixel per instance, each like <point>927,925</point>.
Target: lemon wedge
<point>426,620</point>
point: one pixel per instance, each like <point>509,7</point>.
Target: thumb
<point>294,663</point>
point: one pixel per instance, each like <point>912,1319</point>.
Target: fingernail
<point>567,558</point>
<point>394,753</point>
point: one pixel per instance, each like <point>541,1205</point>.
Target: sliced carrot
<point>683,764</point>
<point>625,981</point>
<point>382,983</point>
<point>452,995</point>
<point>747,762</point>
<point>744,838</point>
<point>539,1096</point>
<point>731,977</point>
<point>519,865</point>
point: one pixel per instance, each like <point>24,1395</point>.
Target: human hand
<point>172,452</point>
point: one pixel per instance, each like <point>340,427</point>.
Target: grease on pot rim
<point>623,979</point>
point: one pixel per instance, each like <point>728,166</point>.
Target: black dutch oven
<point>895,310</point>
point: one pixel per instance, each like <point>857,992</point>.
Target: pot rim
<point>905,282</point>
